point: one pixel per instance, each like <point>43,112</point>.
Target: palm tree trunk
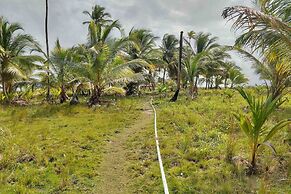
<point>225,83</point>
<point>95,97</point>
<point>192,88</point>
<point>164,76</point>
<point>63,95</point>
<point>47,49</point>
<point>195,92</point>
<point>175,97</point>
<point>253,160</point>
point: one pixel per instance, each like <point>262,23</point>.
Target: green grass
<point>57,148</point>
<point>198,141</point>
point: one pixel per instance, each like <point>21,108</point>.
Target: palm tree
<point>192,66</point>
<point>61,60</point>
<point>214,66</point>
<point>98,15</point>
<point>254,126</point>
<point>169,49</point>
<point>263,29</point>
<point>102,69</point>
<point>266,30</point>
<point>141,45</point>
<point>272,69</point>
<point>101,66</point>
<point>236,77</point>
<point>14,64</point>
<point>227,66</point>
<point>203,49</point>
<point>100,25</point>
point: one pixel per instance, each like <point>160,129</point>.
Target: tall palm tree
<point>98,15</point>
<point>169,49</point>
<point>14,64</point>
<point>192,66</point>
<point>227,66</point>
<point>203,46</point>
<point>141,45</point>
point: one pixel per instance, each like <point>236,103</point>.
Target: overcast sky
<point>160,16</point>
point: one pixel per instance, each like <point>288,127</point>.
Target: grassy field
<point>204,151</point>
<point>59,148</point>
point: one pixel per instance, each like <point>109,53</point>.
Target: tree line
<point>111,64</point>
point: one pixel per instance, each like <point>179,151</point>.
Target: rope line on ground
<point>166,190</point>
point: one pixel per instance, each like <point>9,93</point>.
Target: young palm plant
<point>102,69</point>
<point>254,125</point>
<point>62,59</point>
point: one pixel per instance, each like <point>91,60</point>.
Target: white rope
<point>166,190</point>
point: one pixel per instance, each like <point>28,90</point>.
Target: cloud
<point>160,16</point>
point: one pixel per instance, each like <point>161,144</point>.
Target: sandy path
<point>113,172</point>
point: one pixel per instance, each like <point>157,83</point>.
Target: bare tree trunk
<point>47,50</point>
<point>175,97</point>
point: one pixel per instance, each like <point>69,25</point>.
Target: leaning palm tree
<point>14,63</point>
<point>267,31</point>
<point>272,69</point>
<point>236,77</point>
<point>263,29</point>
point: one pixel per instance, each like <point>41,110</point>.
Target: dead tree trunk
<point>47,50</point>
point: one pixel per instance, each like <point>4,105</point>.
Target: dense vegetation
<point>216,131</point>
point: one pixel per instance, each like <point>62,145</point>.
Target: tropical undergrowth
<point>204,151</point>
